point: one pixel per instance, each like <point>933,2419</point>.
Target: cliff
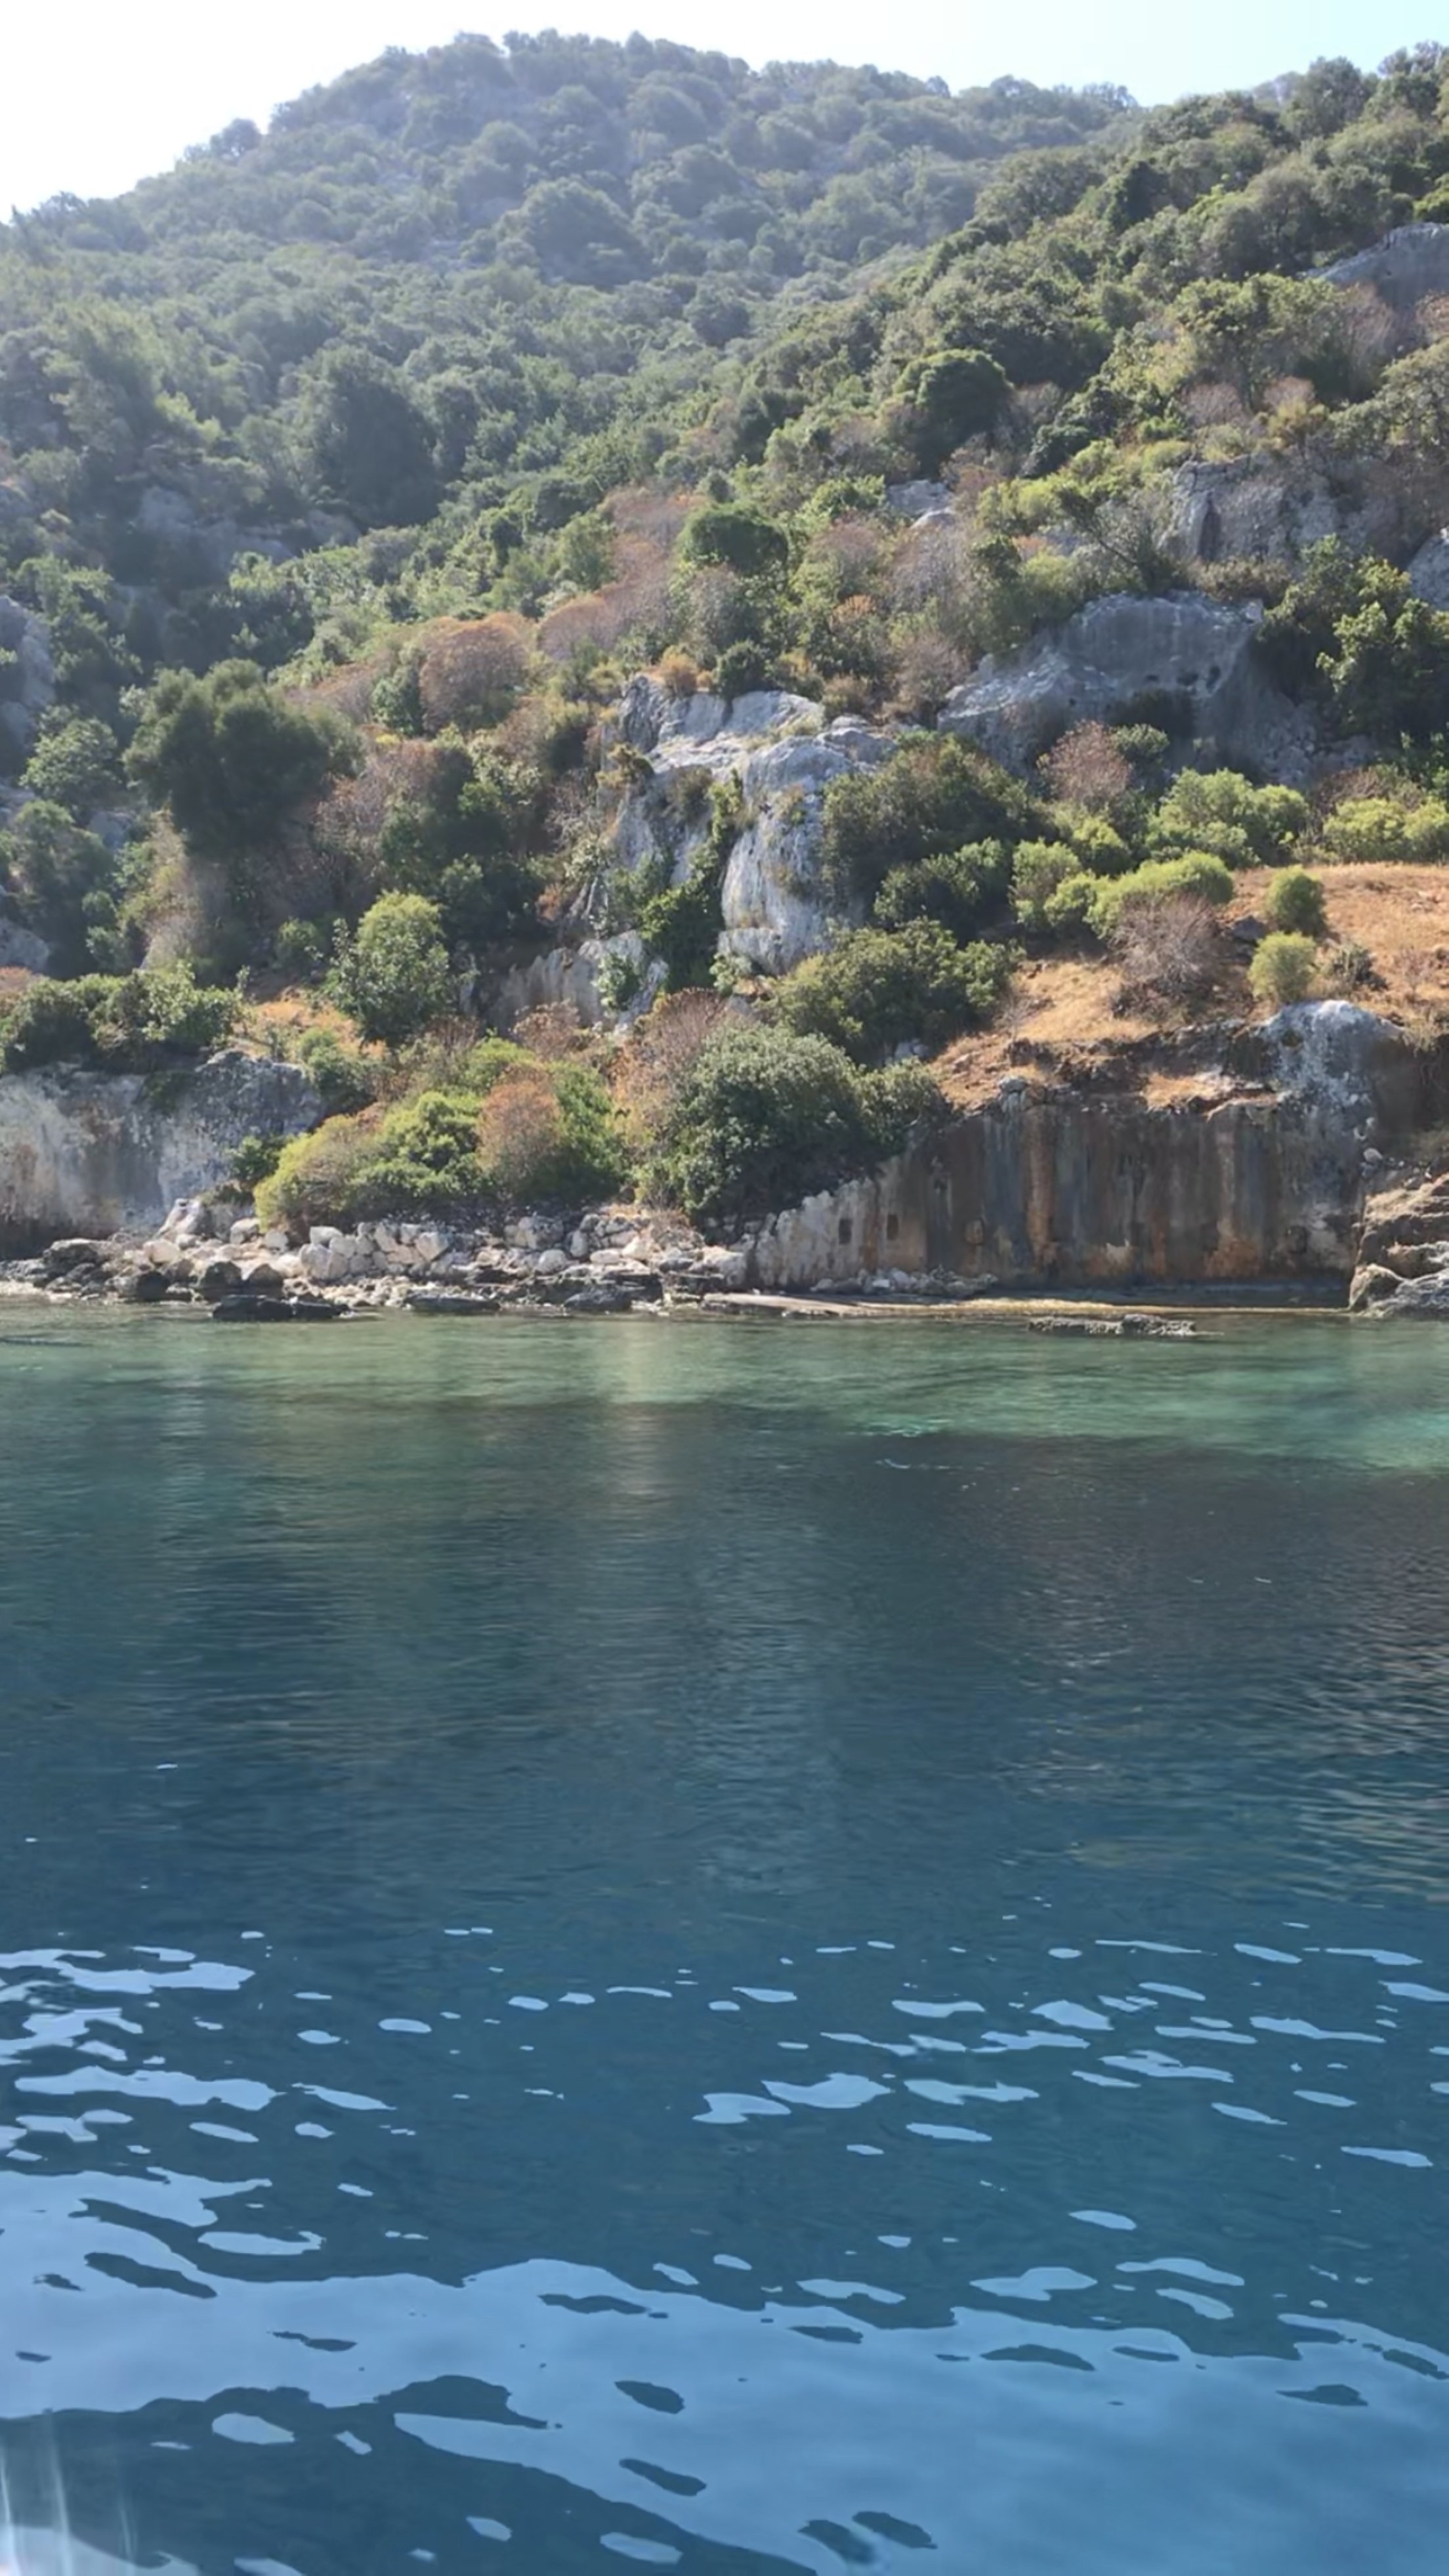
<point>100,1154</point>
<point>1258,1174</point>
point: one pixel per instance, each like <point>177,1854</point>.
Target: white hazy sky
<point>99,92</point>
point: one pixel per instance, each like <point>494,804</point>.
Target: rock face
<point>1429,570</point>
<point>775,905</point>
<point>1061,1193</point>
<point>1056,1189</point>
<point>614,978</point>
<point>783,755</point>
<point>98,1154</point>
<point>21,947</point>
<point>27,673</point>
<point>1261,509</point>
<point>1182,660</point>
<point>1408,264</point>
<point>1403,1268</point>
<point>1347,1064</point>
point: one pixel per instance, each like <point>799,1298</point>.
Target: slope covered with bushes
<point>351,469</point>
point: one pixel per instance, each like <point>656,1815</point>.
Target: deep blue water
<point>735,1948</point>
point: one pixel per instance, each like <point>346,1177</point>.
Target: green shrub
<point>319,1179</point>
<point>1098,844</point>
<point>880,989</point>
<point>742,668</point>
<point>54,1023</point>
<point>1039,871</point>
<point>550,1132</point>
<point>394,976</point>
<point>1351,632</point>
<point>932,796</point>
<point>73,764</point>
<point>764,1116</point>
<point>125,1023</point>
<point>164,1007</point>
<point>421,1159</point>
<point>1382,827</point>
<point>681,924</point>
<point>1295,901</point>
<point>342,1077</point>
<point>300,948</point>
<point>1197,872</point>
<point>487,1064</point>
<point>427,1159</point>
<point>255,1160</point>
<point>1219,811</point>
<point>1284,968</point>
<point>960,890</point>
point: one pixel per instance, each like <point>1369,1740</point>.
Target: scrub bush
<point>1284,968</point>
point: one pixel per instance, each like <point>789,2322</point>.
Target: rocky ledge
<point>1403,1259</point>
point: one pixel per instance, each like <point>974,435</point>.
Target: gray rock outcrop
<point>85,1153</point>
<point>1260,509</point>
<point>1180,657</point>
<point>775,904</point>
<point>21,947</point>
<point>614,979</point>
<point>1408,264</point>
<point>27,673</point>
<point>1429,571</point>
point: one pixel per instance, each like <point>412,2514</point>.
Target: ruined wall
<point>1063,1192</point>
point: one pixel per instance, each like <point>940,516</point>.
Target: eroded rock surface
<point>1182,659</point>
<point>86,1153</point>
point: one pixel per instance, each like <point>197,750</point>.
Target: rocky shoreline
<point>602,1263</point>
<point>610,1262</point>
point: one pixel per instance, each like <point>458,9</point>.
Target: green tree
<point>232,758</point>
<point>742,540</point>
<point>951,395</point>
<point>393,976</point>
<point>881,989</point>
<point>61,878</point>
<point>763,1116</point>
<point>367,441</point>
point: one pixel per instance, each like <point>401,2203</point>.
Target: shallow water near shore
<point>736,1948</point>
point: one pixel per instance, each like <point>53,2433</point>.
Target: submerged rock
<point>450,1301</point>
<point>248,1309</point>
<point>1117,1328</point>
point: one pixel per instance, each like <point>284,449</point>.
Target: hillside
<point>1022,507</point>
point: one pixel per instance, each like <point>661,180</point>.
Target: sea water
<point>736,1948</point>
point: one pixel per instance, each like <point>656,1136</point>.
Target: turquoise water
<point>734,1948</point>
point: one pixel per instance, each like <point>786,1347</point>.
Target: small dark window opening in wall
<point>893,1227</point>
<point>844,1230</point>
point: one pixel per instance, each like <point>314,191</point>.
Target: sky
<point>99,94</point>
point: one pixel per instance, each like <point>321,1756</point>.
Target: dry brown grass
<point>1399,914</point>
<point>1066,1005</point>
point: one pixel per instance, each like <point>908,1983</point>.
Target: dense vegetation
<point>348,470</point>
